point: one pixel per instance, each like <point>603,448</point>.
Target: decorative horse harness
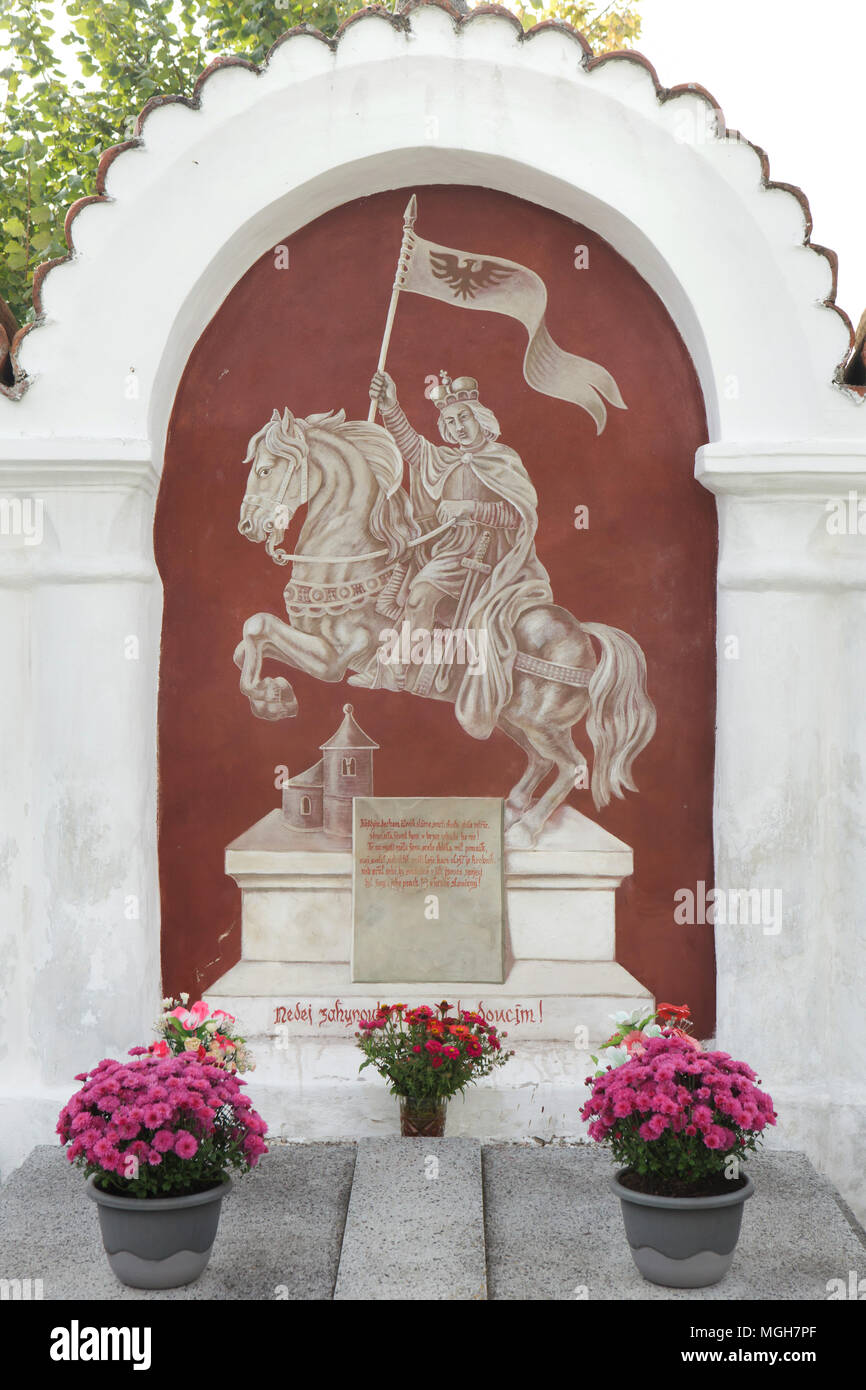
<point>317,600</point>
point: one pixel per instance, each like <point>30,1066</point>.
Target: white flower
<point>615,1056</point>
<point>623,1019</point>
<point>652,1030</point>
<point>184,999</point>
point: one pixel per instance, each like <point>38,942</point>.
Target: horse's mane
<point>391,520</point>
<point>282,436</point>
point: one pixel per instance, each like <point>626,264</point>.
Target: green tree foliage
<point>64,99</point>
<point>606,27</point>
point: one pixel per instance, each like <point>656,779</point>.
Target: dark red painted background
<point>308,338</point>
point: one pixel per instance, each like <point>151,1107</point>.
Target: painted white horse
<point>358,528</point>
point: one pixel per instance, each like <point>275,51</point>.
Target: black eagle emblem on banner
<point>467,276</point>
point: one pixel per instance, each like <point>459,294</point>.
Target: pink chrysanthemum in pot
<point>673,1114</point>
<point>158,1126</point>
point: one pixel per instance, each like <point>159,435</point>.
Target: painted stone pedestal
<point>294,992</point>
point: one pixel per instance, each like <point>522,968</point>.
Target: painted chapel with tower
<point>321,797</point>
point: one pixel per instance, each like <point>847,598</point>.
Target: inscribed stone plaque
<point>427,895</point>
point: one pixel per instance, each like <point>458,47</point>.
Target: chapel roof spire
<point>349,734</point>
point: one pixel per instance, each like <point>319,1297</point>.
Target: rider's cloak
<point>518,580</point>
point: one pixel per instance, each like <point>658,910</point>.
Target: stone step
<point>415,1224</point>
<point>555,1232</point>
<point>279,1232</point>
<point>550,1228</point>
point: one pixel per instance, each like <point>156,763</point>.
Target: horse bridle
<point>278,503</point>
<point>281,557</point>
<point>290,472</point>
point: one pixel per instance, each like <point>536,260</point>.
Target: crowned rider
<point>482,487</point>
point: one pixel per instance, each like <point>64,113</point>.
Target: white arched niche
<point>184,209</point>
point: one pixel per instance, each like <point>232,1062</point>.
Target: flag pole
<point>409,217</point>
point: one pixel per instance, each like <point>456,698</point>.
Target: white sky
<point>788,74</point>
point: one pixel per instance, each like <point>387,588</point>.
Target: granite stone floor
<point>374,1221</point>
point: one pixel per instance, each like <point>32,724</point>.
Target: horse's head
<point>277,482</point>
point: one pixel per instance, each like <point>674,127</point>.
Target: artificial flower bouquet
<point>160,1126</point>
<point>674,1115</point>
<point>429,1053</point>
<point>204,1032</point>
<point>634,1029</point>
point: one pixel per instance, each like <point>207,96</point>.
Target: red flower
<point>679,1011</point>
<point>435,1062</point>
<point>473,1047</point>
<point>432,1045</point>
<point>686,1038</point>
<point>451,1051</point>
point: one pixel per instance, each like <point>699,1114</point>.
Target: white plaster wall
<point>790,792</point>
<point>209,191</point>
<point>79,901</point>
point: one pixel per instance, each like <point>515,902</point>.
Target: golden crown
<point>463,388</point>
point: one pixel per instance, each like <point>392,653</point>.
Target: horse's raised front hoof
<point>519,836</point>
<point>276,701</point>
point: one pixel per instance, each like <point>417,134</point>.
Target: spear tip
<point>411,212</point>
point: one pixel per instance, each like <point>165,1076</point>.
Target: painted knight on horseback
<point>457,550</point>
<point>483,572</point>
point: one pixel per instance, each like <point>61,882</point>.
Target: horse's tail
<point>622,718</point>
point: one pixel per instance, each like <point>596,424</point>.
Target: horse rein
<point>368,554</point>
<point>282,557</point>
<point>285,556</point>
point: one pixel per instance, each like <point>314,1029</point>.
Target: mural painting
<point>439,574</point>
<point>458,549</point>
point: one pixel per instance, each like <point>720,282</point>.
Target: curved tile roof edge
<point>401,21</point>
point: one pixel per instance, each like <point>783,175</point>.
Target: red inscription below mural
<point>315,1015</point>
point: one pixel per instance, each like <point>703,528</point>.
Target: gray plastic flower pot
<point>682,1242</point>
<point>159,1242</point>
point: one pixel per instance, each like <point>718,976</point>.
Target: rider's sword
<point>475,568</point>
